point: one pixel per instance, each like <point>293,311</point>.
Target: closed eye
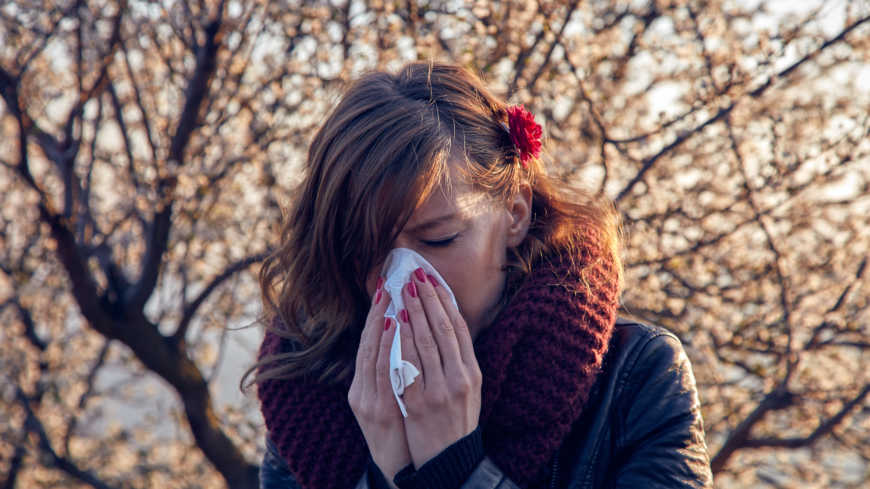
<point>442,243</point>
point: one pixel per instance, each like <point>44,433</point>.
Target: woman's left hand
<point>443,403</point>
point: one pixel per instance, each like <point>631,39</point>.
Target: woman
<point>530,382</point>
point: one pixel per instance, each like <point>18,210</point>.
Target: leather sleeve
<point>274,472</point>
<point>659,430</point>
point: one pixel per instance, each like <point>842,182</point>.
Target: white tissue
<point>398,267</point>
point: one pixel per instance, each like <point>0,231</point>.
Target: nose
<point>403,241</point>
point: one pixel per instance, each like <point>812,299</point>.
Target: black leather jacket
<point>641,427</point>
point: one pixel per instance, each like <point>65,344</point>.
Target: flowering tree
<point>146,148</point>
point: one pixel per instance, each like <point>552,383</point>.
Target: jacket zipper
<point>555,466</point>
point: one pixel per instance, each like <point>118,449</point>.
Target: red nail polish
<point>421,275</point>
<point>387,324</point>
<point>378,297</point>
<point>432,279</point>
<point>412,289</point>
<point>380,282</point>
<point>405,317</point>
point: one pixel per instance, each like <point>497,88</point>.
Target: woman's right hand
<point>371,394</point>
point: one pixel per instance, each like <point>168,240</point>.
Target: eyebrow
<point>424,226</point>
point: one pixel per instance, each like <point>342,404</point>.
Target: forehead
<point>454,196</point>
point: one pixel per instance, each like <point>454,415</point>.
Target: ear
<point>520,209</point>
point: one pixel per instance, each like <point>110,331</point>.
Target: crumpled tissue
<point>397,270</point>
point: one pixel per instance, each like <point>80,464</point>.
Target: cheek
<point>473,270</point>
<point>372,280</point>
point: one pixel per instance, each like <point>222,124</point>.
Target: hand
<point>443,403</point>
<point>371,394</point>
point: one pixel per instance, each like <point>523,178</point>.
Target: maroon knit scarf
<point>539,360</point>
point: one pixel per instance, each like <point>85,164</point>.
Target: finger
<point>378,303</point>
<point>371,339</point>
<point>409,350</point>
<point>382,369</point>
<point>424,339</point>
<point>440,323</point>
<point>362,338</point>
<point>463,335</point>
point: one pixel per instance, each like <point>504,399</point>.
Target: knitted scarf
<point>539,360</point>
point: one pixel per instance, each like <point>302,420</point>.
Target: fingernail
<point>421,275</point>
<point>387,324</point>
<point>380,282</point>
<point>412,289</point>
<point>378,297</point>
<point>432,279</point>
<point>405,318</point>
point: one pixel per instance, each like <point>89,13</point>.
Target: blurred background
<point>147,148</point>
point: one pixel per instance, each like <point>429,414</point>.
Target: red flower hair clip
<point>524,132</point>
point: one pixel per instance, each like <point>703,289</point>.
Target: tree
<point>147,148</point>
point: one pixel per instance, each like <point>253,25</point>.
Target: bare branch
<point>822,430</point>
<point>783,280</point>
<point>158,228</point>
<point>682,138</point>
<point>29,325</point>
<point>190,310</point>
<point>114,44</point>
<point>841,301</point>
<point>84,222</point>
<point>15,465</point>
<point>137,97</point>
<point>89,391</point>
<point>119,117</point>
<point>197,90</point>
<point>777,399</point>
<point>34,425</point>
<point>520,63</point>
<point>40,46</point>
<point>534,80</point>
<point>649,162</point>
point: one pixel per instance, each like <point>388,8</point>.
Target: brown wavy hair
<point>391,140</point>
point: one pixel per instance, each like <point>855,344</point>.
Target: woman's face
<point>465,237</point>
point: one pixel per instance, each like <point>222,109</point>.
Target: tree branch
<point>114,44</point>
<point>531,84</point>
<point>813,341</point>
<point>190,310</point>
<point>83,400</point>
<point>15,464</point>
<point>34,425</point>
<point>119,117</point>
<point>158,355</point>
<point>146,122</point>
<point>649,162</point>
<point>521,58</point>
<point>29,326</point>
<point>197,90</point>
<point>157,237</point>
<point>83,287</point>
<point>822,430</point>
<point>775,400</point>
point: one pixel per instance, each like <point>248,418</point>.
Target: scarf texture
<point>539,360</point>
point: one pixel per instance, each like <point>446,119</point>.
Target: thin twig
<point>649,162</point>
<point>190,310</point>
<point>35,426</point>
